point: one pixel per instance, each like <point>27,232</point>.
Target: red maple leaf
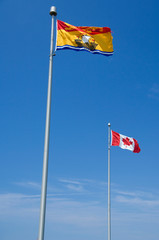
<point>127,141</point>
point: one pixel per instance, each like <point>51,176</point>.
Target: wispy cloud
<point>133,194</point>
<point>81,211</point>
<point>88,187</point>
<point>34,185</point>
<point>81,206</point>
<point>154,91</point>
<point>69,181</point>
<point>155,88</point>
<point>83,185</point>
<point>137,198</point>
<point>84,212</point>
<point>73,185</point>
<point>67,204</point>
<point>18,205</point>
<point>59,209</point>
<point>66,186</point>
<point>78,188</point>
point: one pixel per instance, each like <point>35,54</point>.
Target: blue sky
<point>88,92</point>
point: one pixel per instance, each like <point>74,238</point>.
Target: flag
<point>92,39</point>
<point>124,142</point>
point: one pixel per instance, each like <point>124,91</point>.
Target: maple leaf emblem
<point>127,141</point>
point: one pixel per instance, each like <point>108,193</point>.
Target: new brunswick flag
<point>92,39</point>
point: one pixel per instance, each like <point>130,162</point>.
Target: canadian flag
<point>124,142</point>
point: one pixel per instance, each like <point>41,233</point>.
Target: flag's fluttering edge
<point>124,142</point>
<point>92,39</point>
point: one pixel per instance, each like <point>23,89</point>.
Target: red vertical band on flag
<point>136,146</point>
<point>115,139</point>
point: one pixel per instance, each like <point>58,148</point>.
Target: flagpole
<point>109,202</point>
<point>53,13</point>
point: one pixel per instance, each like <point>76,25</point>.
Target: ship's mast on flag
<point>53,13</point>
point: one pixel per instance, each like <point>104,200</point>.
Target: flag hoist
<point>53,13</point>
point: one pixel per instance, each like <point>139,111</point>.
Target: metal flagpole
<point>109,203</point>
<point>47,131</point>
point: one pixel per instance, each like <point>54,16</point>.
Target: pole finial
<point>53,11</point>
<point>109,124</point>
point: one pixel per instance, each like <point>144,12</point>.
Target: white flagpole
<point>109,202</point>
<point>47,131</point>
